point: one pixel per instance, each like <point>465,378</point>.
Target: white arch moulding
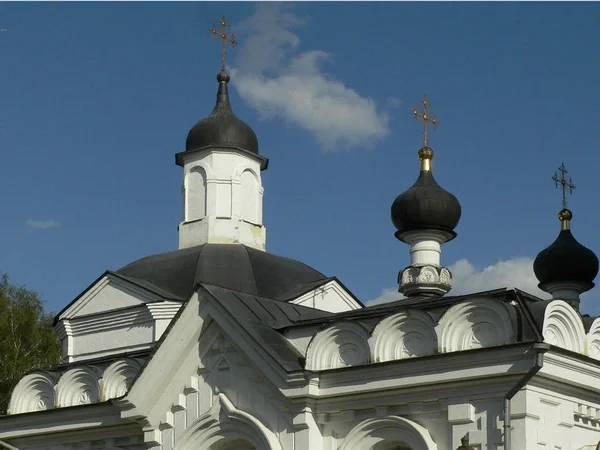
<point>563,327</point>
<point>195,193</point>
<point>78,386</point>
<point>593,340</point>
<point>117,377</point>
<point>403,335</point>
<point>392,428</point>
<point>34,392</point>
<point>342,344</point>
<point>200,164</point>
<point>476,323</point>
<point>225,422</point>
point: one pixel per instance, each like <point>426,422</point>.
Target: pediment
<point>331,296</point>
<point>108,293</point>
<point>204,355</point>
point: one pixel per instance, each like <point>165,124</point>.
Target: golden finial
<point>225,38</point>
<point>427,117</point>
<point>564,215</point>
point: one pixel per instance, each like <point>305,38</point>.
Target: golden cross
<point>224,38</point>
<point>426,118</point>
<point>564,184</point>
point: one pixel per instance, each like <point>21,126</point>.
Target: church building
<point>221,345</point>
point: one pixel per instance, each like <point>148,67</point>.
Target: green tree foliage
<point>27,339</point>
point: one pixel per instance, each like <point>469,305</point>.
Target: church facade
<point>221,345</point>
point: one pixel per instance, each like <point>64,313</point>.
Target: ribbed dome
<point>425,206</point>
<point>566,260</point>
<point>222,128</point>
<point>233,266</point>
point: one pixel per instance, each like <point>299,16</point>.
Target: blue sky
<point>96,98</point>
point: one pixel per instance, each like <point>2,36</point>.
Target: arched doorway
<point>225,427</point>
<point>388,433</point>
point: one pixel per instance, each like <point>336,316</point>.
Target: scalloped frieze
<point>476,323</point>
<point>593,340</point>
<point>34,392</point>
<point>117,377</point>
<point>404,335</point>
<point>341,345</point>
<point>563,327</point>
<point>78,386</point>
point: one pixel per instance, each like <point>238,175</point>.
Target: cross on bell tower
<point>225,39</point>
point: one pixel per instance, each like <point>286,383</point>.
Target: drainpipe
<point>8,446</point>
<point>538,362</point>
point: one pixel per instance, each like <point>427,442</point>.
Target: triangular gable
<point>176,364</point>
<point>330,296</point>
<point>108,293</point>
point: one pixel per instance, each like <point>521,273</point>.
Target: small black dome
<point>222,128</point>
<point>425,206</point>
<point>566,260</point>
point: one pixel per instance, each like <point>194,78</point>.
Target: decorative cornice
<point>425,280</point>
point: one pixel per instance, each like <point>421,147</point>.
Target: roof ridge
<point>252,267</point>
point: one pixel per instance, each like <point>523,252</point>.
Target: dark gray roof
<point>232,266</point>
<point>261,317</point>
<point>527,322</point>
<point>265,320</point>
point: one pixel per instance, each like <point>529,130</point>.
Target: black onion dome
<point>222,128</point>
<point>425,206</point>
<point>566,260</point>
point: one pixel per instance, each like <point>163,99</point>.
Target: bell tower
<point>222,186</point>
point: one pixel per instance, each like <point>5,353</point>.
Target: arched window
<point>195,191</point>
<point>249,197</point>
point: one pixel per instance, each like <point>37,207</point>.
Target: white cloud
<point>466,278</point>
<point>517,272</point>
<point>386,296</point>
<point>41,224</point>
<point>277,80</point>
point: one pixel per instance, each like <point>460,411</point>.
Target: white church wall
<point>543,418</point>
<point>330,297</point>
<point>113,316</point>
<point>109,293</point>
<point>223,199</point>
<point>216,372</point>
<point>438,417</point>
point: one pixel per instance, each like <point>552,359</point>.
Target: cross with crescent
<point>426,117</point>
<point>564,183</point>
<point>225,38</point>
